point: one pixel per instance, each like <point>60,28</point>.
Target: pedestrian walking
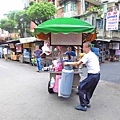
<point>38,53</point>
<point>5,52</point>
<point>88,85</point>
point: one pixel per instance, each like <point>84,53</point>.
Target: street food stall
<point>64,32</point>
<point>12,54</point>
<point>28,47</point>
<point>1,49</point>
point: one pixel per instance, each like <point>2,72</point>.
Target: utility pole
<point>82,6</point>
<point>104,16</point>
<point>104,27</point>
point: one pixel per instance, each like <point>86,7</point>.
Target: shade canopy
<point>65,26</point>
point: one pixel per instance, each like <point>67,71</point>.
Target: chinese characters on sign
<point>67,39</point>
<point>112,20</point>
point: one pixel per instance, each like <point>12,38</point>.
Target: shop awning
<point>27,40</point>
<point>108,40</point>
<point>2,45</point>
<point>13,41</point>
<point>95,2</point>
<point>65,26</point>
<point>115,40</point>
<point>104,40</point>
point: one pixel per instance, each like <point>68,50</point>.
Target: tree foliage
<point>40,12</point>
<point>7,24</point>
<point>21,15</point>
<point>20,19</point>
<point>11,15</point>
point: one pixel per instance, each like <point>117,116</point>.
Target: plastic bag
<point>56,85</point>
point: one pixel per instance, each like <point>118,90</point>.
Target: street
<point>24,96</point>
<point>109,72</point>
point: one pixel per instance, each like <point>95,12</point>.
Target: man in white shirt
<point>88,85</point>
<point>5,52</point>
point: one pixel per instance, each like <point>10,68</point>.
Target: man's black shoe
<point>79,107</point>
<point>88,105</point>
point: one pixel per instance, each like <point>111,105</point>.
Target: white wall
<point>25,3</point>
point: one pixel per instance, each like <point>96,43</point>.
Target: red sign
<point>19,48</point>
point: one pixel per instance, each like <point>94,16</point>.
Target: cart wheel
<point>50,90</point>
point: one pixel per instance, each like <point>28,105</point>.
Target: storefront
<point>26,52</point>
<point>1,49</point>
<point>12,49</point>
<point>19,51</point>
<point>109,49</point>
<point>114,47</point>
<point>28,47</point>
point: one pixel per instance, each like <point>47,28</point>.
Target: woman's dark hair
<point>73,48</point>
<point>69,56</point>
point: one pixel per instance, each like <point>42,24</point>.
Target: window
<point>67,7</point>
<point>100,23</point>
<point>87,20</point>
<point>73,6</point>
<point>86,5</point>
<point>70,6</point>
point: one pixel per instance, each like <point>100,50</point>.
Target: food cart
<point>64,32</point>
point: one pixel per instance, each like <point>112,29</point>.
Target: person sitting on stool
<point>88,85</point>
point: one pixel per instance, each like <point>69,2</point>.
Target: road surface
<point>24,96</point>
<point>110,72</point>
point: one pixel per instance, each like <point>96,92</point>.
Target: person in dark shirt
<point>38,53</point>
<point>70,52</point>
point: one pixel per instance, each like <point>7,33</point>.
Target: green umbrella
<point>65,26</point>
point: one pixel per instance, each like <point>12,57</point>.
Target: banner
<point>66,39</point>
<point>112,20</point>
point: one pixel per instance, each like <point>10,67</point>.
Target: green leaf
<point>41,11</point>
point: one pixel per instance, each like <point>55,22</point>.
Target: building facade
<point>87,10</point>
<point>25,3</point>
<point>72,8</point>
<point>111,34</point>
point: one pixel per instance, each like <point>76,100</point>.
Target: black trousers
<point>87,87</point>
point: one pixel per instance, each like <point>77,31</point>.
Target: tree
<point>8,25</point>
<point>11,15</point>
<point>22,20</point>
<point>21,14</point>
<point>41,11</point>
